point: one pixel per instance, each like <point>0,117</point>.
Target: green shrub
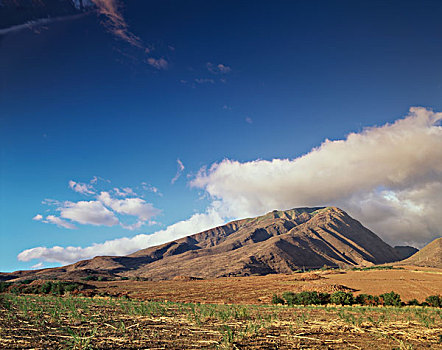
<point>277,300</point>
<point>26,281</point>
<point>413,302</point>
<point>71,287</point>
<point>392,299</point>
<point>90,278</point>
<point>46,287</point>
<point>307,298</point>
<point>367,299</point>
<point>434,300</point>
<point>4,286</point>
<point>342,298</point>
<point>289,298</point>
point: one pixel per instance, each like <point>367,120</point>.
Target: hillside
<point>405,252</point>
<point>278,242</point>
<point>428,256</point>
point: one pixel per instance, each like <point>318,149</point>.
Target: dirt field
<point>228,313</point>
<point>409,282</point>
<point>49,322</point>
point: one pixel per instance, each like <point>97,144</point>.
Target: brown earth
<point>35,322</point>
<point>278,242</point>
<point>430,255</point>
<point>410,282</point>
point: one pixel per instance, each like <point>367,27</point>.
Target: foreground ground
<point>409,282</point>
<point>48,322</point>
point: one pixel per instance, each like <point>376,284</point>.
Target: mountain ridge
<point>281,241</point>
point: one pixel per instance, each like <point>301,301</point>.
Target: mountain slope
<point>428,256</point>
<point>405,252</point>
<point>278,242</point>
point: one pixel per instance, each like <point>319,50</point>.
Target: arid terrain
<point>84,323</point>
<point>410,282</point>
<point>235,287</point>
<point>228,313</point>
<point>274,243</point>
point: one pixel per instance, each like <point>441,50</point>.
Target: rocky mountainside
<point>278,242</point>
<point>428,256</point>
<point>405,251</point>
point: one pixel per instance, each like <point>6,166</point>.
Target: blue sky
<point>205,82</point>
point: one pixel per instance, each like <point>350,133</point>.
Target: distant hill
<point>405,251</point>
<point>278,242</point>
<point>428,256</point>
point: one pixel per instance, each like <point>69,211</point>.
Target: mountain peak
<point>280,241</point>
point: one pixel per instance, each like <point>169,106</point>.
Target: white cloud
<point>218,68</point>
<point>129,206</point>
<point>82,188</point>
<point>147,187</point>
<point>88,212</point>
<point>204,81</point>
<point>51,219</point>
<point>249,120</point>
<point>124,192</point>
<point>389,177</point>
<point>180,168</point>
<point>37,266</point>
<point>158,63</point>
<point>102,210</point>
<point>123,246</point>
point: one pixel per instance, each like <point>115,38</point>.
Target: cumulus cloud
<point>51,219</point>
<point>103,209</point>
<point>158,63</point>
<point>180,169</point>
<point>389,177</point>
<point>123,246</point>
<point>88,212</point>
<point>81,187</point>
<point>218,68</point>
<point>129,206</point>
<point>124,192</point>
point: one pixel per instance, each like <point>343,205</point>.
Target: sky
<point>139,122</point>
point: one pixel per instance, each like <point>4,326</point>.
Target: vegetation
<point>49,321</point>
<point>434,300</point>
<point>391,299</point>
<point>344,298</point>
<point>382,267</point>
<point>47,287</point>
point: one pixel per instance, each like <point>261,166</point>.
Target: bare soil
<point>102,323</point>
<point>410,282</point>
<point>228,313</point>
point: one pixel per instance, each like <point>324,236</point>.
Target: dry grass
<point>84,323</point>
<point>410,283</point>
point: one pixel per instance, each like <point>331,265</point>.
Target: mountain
<point>405,251</point>
<point>278,242</point>
<point>428,256</point>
